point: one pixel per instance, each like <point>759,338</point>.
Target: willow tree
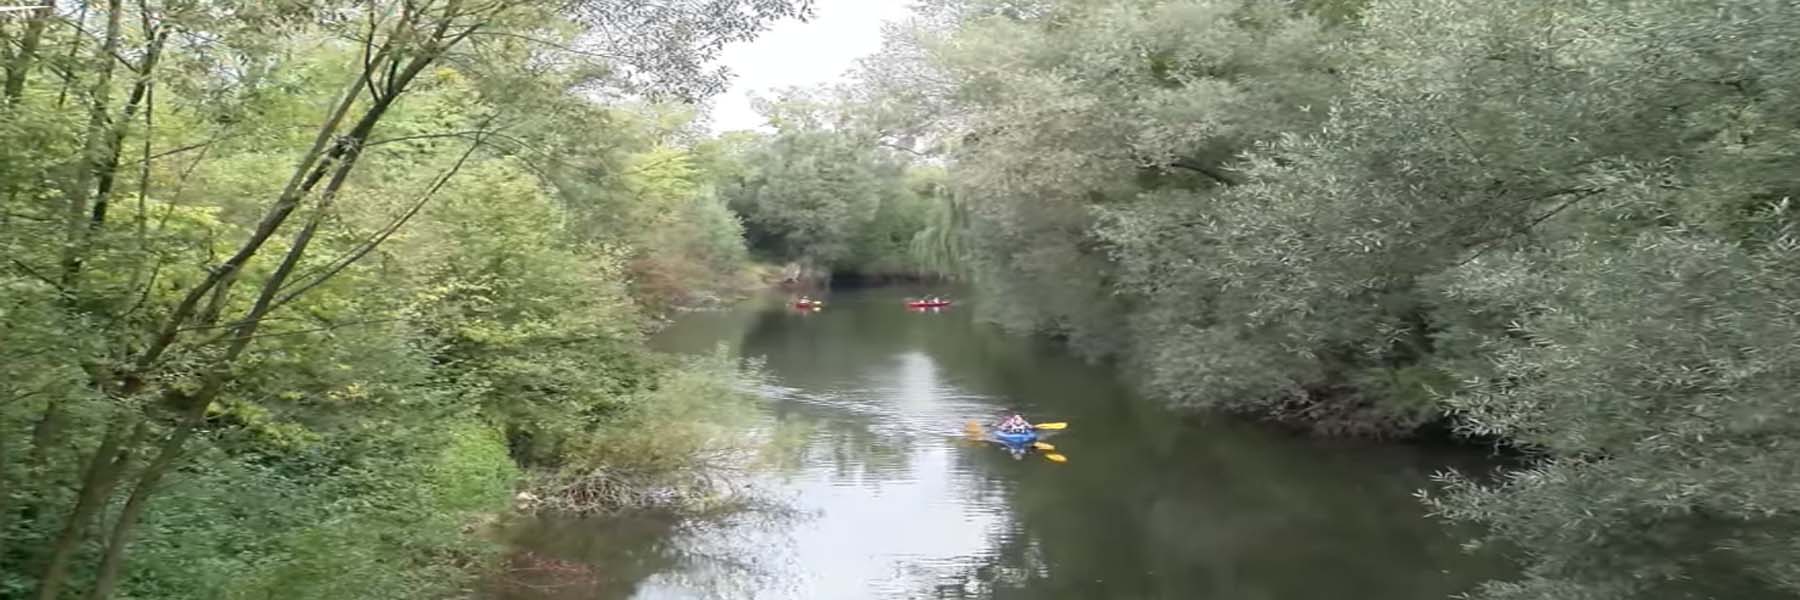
<point>1049,109</point>
<point>810,192</point>
<point>1561,223</point>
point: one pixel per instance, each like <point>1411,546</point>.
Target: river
<point>880,497</point>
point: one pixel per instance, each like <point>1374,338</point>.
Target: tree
<point>809,190</point>
<point>185,321</point>
<point>1555,223</point>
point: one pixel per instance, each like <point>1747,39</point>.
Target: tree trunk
<point>341,160</point>
<point>19,67</point>
<point>6,47</point>
<point>46,434</point>
<point>106,171</point>
<point>41,437</point>
<point>103,471</point>
<point>112,562</point>
<point>95,152</point>
<point>219,277</point>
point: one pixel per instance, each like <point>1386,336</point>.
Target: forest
<point>295,295</point>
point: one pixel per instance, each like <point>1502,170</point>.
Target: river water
<point>879,495</point>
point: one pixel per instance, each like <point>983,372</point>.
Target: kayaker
<point>1014,424</point>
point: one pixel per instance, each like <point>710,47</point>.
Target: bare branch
<point>1214,174</point>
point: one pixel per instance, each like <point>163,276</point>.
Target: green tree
<point>225,250</point>
<point>1560,223</point>
<point>815,191</point>
<point>1049,109</point>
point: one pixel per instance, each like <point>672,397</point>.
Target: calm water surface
<point>883,499</point>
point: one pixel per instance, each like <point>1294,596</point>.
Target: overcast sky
<point>801,54</point>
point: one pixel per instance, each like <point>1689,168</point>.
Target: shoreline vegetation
<point>293,294</point>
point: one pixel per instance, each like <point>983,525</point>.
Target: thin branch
<point>299,184</point>
<point>340,264</point>
<point>143,197</point>
<point>215,325</point>
<point>62,97</point>
<point>1467,147</point>
<point>81,28</point>
<point>194,146</point>
<point>1575,195</point>
<point>26,269</point>
<point>332,327</point>
<point>425,136</point>
<point>894,146</point>
<point>144,294</point>
<point>370,55</point>
<point>555,45</point>
<point>175,196</point>
<point>1214,174</point>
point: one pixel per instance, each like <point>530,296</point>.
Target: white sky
<point>801,54</point>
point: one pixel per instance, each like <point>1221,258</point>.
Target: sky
<point>801,54</point>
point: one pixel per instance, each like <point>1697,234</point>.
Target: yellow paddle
<point>1042,446</point>
<point>1052,426</point>
<point>1056,458</point>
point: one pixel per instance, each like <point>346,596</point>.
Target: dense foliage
<point>1563,223</point>
<point>295,294</point>
<point>821,191</point>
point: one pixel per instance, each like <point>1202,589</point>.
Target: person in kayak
<point>1014,424</point>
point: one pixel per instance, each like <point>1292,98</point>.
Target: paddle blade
<point>973,429</point>
<point>1042,446</point>
<point>1052,425</point>
<point>1056,458</point>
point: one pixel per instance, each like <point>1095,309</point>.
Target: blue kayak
<point>1016,439</point>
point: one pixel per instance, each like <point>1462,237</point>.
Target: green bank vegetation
<point>1567,224</point>
<point>294,294</point>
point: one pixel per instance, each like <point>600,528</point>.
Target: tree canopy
<point>295,294</point>
<point>1557,223</point>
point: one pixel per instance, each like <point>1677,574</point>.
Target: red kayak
<point>813,304</point>
<point>927,303</point>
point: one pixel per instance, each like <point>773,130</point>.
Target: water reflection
<point>885,501</point>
